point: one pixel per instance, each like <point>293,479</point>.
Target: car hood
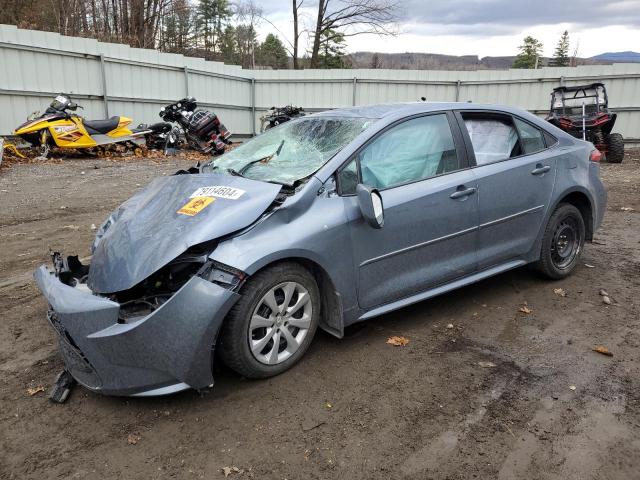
<point>164,219</point>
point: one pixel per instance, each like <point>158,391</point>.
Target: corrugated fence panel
<point>35,66</point>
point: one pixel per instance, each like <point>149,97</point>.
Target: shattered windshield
<point>293,150</point>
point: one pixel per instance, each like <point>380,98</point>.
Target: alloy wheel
<point>280,322</point>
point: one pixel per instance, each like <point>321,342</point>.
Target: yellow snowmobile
<point>58,127</point>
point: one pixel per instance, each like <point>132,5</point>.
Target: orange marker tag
<point>196,205</point>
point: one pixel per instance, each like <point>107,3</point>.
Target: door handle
<point>540,169</point>
<point>462,192</point>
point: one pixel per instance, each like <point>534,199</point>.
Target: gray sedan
<point>324,221</point>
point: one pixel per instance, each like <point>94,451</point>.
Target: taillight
<point>595,156</point>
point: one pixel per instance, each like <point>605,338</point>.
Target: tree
<point>561,54</point>
<point>332,50</point>
<point>297,5</point>
<point>376,62</point>
<point>530,53</point>
<point>246,40</point>
<point>229,46</point>
<point>249,15</point>
<point>176,28</point>
<point>347,18</point>
<point>272,53</point>
<point>212,15</point>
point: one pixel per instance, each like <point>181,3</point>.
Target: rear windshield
<point>573,102</point>
<point>293,150</point>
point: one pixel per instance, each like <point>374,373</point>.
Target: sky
<point>486,27</point>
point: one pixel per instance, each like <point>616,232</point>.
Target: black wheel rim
<point>565,245</point>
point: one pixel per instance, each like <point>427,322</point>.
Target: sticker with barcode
<point>218,191</point>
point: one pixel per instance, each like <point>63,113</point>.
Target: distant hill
<point>619,57</point>
<point>434,61</point>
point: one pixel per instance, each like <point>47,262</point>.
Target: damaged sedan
<point>324,221</point>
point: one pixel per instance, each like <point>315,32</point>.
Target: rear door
<point>430,209</point>
<point>515,173</point>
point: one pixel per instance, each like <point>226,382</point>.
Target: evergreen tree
<point>530,54</point>
<point>561,54</point>
<point>246,40</point>
<point>212,15</point>
<point>332,50</point>
<point>229,46</point>
<point>176,28</point>
<point>272,53</point>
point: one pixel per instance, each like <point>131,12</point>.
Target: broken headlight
<point>223,275</point>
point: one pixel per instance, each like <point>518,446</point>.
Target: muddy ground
<point>357,408</point>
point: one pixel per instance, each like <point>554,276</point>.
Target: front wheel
<point>271,327</point>
<point>562,242</point>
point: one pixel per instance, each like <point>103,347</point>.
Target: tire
<point>615,146</point>
<point>240,339</point>
<point>562,242</point>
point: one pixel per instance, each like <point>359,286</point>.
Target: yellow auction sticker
<point>195,205</point>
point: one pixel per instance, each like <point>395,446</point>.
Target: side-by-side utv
<point>584,110</point>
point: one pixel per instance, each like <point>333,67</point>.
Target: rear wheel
<point>272,325</point>
<point>562,242</point>
<point>615,147</point>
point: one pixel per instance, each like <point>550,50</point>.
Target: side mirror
<point>370,202</point>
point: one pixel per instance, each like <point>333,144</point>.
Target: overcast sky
<point>489,27</point>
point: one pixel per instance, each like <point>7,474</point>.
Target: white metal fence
<point>112,79</point>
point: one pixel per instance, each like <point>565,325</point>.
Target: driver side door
<point>430,201</point>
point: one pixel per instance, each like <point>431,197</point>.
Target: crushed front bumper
<point>167,351</point>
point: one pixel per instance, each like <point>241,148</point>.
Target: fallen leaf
<point>34,390</point>
<point>572,387</point>
<point>487,364</point>
<point>525,309</point>
<point>560,292</point>
<point>603,351</point>
<point>229,470</point>
<point>133,438</point>
<point>397,341</point>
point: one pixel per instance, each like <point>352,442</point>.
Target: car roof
<point>574,88</point>
<point>409,108</point>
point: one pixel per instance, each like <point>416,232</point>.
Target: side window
<point>348,178</point>
<point>531,139</point>
<point>414,150</point>
<point>549,139</point>
<point>494,138</point>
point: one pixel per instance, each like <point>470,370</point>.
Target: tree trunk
<point>295,35</point>
<point>318,33</point>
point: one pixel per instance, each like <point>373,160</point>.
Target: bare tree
<point>297,4</point>
<point>352,17</point>
<point>250,14</point>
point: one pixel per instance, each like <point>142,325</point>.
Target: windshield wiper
<point>233,172</point>
<point>263,159</point>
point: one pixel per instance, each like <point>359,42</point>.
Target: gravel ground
<point>502,394</point>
